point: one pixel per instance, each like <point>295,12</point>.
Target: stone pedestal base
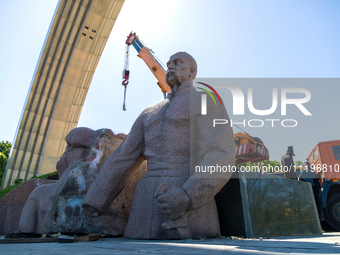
<point>266,205</point>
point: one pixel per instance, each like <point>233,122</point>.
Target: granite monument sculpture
<point>57,207</point>
<point>168,203</point>
<point>12,203</point>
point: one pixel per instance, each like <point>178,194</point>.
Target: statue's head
<point>83,142</point>
<point>79,141</point>
<point>182,68</point>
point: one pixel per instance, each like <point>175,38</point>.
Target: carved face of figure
<point>181,68</point>
<point>71,155</point>
<point>78,146</point>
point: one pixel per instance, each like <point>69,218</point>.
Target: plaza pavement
<point>328,243</point>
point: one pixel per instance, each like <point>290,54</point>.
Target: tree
<point>298,163</point>
<point>5,148</point>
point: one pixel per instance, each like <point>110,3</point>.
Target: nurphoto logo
<point>238,99</point>
<point>204,97</point>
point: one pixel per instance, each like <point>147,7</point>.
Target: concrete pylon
<point>75,41</point>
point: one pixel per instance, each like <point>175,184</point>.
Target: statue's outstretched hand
<point>173,201</point>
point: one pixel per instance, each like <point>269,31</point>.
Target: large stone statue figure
<point>57,207</point>
<point>168,203</point>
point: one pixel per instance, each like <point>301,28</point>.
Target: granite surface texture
<point>168,203</point>
<point>12,203</point>
<point>57,207</point>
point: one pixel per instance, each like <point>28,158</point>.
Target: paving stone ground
<point>324,244</point>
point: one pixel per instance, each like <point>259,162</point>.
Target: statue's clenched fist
<point>173,201</point>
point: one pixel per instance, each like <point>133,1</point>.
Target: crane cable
<point>124,108</point>
<point>240,128</point>
<point>126,73</point>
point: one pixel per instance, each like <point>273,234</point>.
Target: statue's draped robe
<point>161,135</point>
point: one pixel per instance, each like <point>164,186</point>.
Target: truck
<point>322,171</point>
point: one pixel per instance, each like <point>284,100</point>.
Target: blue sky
<point>228,39</point>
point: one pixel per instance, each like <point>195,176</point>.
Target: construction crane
<point>150,60</point>
<point>248,148</point>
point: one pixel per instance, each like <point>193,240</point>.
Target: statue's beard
<point>172,79</point>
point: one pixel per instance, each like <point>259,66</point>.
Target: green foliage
<point>5,191</point>
<point>43,176</point>
<point>5,148</point>
<point>3,162</point>
<point>18,181</point>
<point>298,163</point>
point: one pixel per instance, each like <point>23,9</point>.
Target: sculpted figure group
<point>56,207</point>
<point>99,173</point>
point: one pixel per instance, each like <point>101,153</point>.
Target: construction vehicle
<point>248,148</point>
<point>322,171</point>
